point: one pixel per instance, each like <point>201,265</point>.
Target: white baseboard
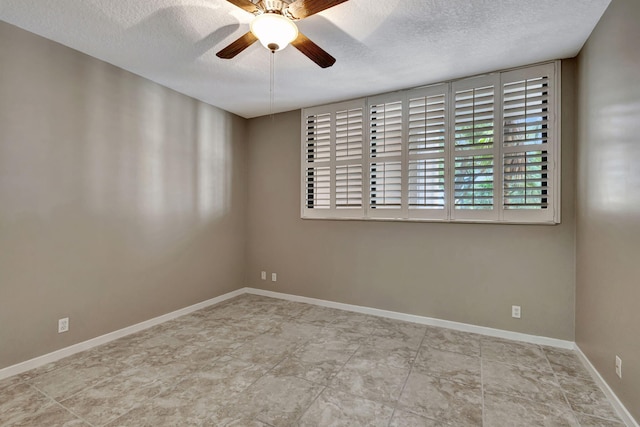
<point>94,342</point>
<point>622,411</point>
<point>465,327</point>
<point>103,339</point>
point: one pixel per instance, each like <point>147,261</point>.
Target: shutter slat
<point>427,124</point>
<point>474,118</point>
<point>385,124</point>
<point>348,186</point>
<point>318,137</point>
<point>427,184</point>
<point>526,180</point>
<point>318,188</point>
<point>385,185</point>
<point>473,182</point>
<point>526,118</point>
<point>349,134</point>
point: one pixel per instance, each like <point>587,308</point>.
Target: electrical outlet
<point>274,277</point>
<point>263,275</point>
<point>619,367</point>
<point>63,325</point>
<point>516,311</point>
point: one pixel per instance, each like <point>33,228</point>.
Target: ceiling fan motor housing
<point>273,6</point>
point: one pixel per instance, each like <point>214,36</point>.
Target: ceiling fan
<point>274,26</point>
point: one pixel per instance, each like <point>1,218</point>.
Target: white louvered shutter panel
<point>483,149</point>
<point>476,148</point>
<point>529,144</point>
<point>427,152</point>
<point>317,131</point>
<point>386,156</point>
<point>349,155</point>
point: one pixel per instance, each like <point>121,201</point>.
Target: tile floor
<point>256,361</point>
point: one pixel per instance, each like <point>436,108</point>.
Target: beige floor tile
<point>449,402</point>
<point>333,333</point>
<point>171,408</point>
<point>276,400</point>
<point>51,414</point>
<point>9,382</point>
<point>514,353</point>
<point>589,421</point>
<point>585,397</point>
<point>113,397</point>
<point>452,366</point>
<point>407,419</point>
<point>527,383</point>
<point>391,352</point>
<point>565,362</point>
<point>226,376</point>
<point>18,401</point>
<point>266,350</point>
<point>317,362</point>
<point>295,332</point>
<point>502,410</point>
<point>354,322</point>
<point>453,341</point>
<point>371,378</point>
<point>319,316</point>
<point>337,409</point>
<point>411,333</point>
<point>71,379</point>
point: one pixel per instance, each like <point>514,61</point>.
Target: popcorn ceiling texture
<point>380,46</point>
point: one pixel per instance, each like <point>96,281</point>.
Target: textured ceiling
<point>380,45</point>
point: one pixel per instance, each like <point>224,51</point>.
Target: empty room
<point>319,213</point>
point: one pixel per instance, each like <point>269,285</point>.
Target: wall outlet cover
<point>63,325</point>
<point>516,311</point>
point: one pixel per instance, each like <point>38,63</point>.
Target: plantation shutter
<point>333,161</point>
<point>427,152</point>
<point>385,166</point>
<point>528,148</point>
<point>483,149</point>
<point>475,148</point>
<point>317,129</point>
<point>349,154</point>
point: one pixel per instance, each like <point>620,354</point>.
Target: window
<point>472,150</point>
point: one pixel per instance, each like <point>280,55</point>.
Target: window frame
<point>498,214</point>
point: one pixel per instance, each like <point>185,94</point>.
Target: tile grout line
<point>286,356</point>
<point>575,413</point>
<point>63,406</point>
<point>482,384</point>
<point>564,393</point>
<point>404,384</point>
<point>302,414</point>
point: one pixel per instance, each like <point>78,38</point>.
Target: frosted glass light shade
<point>274,31</point>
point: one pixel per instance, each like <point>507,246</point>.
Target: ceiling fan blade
<point>237,46</point>
<point>244,5</point>
<point>313,51</point>
<point>303,8</point>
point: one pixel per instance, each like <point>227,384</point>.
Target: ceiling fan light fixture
<point>274,31</point>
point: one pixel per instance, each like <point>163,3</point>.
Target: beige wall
<point>120,200</point>
<point>608,194</point>
<point>469,273</point>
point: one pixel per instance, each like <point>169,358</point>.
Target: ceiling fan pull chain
<point>272,83</point>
